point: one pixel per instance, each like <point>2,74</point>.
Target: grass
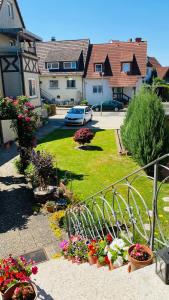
<point>96,169</point>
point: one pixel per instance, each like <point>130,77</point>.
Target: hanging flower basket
<point>28,289</point>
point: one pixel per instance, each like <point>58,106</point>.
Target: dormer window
<point>52,65</point>
<point>10,9</point>
<point>69,65</point>
<point>98,68</point>
<point>126,67</point>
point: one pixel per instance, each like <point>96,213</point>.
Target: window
<point>53,84</point>
<point>52,65</point>
<point>97,89</point>
<point>32,87</point>
<point>71,84</point>
<point>10,9</point>
<point>126,67</point>
<point>12,43</point>
<point>98,68</point>
<point>69,65</point>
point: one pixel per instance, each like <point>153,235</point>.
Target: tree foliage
<point>145,133</point>
<point>83,136</point>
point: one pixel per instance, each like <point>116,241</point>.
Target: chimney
<point>138,40</point>
<point>53,39</point>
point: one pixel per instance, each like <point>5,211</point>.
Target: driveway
<point>108,120</point>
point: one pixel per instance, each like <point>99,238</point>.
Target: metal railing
<point>132,207</point>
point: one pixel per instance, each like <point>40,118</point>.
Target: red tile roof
<point>162,71</point>
<point>116,53</point>
<point>153,62</point>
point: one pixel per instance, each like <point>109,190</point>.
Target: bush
<point>144,133</point>
<point>84,102</point>
<point>83,136</point>
<point>48,108</point>
<point>18,165</point>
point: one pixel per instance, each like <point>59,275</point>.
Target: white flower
<point>109,255</point>
<point>118,262</point>
<point>106,249</point>
<point>117,243</point>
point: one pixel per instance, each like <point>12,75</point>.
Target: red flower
<point>109,238</point>
<point>106,260</point>
<point>20,117</point>
<point>34,270</point>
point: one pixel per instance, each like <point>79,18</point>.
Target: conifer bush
<point>144,132</point>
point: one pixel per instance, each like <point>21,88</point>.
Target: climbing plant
<point>24,121</point>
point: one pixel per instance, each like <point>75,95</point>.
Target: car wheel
<point>116,109</point>
<point>91,118</point>
<point>97,109</point>
<point>84,122</point>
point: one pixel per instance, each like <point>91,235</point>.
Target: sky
<point>101,21</point>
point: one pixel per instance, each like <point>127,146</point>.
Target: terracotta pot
<point>99,265</point>
<point>50,209</point>
<point>135,264</point>
<point>9,292</point>
<point>92,260</point>
<point>69,258</point>
<point>73,260</point>
<point>111,267</point>
<point>65,256</point>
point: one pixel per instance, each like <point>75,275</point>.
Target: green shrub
<point>84,102</point>
<point>48,108</point>
<point>30,172</point>
<point>144,133</point>
<point>18,165</point>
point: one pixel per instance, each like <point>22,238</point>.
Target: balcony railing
<point>14,50</point>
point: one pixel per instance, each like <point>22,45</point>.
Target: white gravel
<point>62,280</point>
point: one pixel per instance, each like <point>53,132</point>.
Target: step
<point>61,279</point>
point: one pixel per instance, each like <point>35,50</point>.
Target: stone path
<point>20,230</point>
<point>62,280</point>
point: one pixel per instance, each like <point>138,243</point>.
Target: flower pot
<point>65,256</point>
<point>69,258</point>
<point>135,264</point>
<point>99,265</point>
<point>50,208</point>
<point>73,260</point>
<point>92,260</point>
<point>111,267</point>
<point>9,292</point>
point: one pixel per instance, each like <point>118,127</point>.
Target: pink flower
<point>27,119</point>
<point>34,270</point>
<point>17,291</point>
<point>20,117</point>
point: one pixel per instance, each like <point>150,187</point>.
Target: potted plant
<point>92,252</point>
<point>102,249</point>
<point>21,291</point>
<point>139,256</point>
<point>13,273</point>
<point>117,254</point>
<point>50,206</point>
<point>81,251</point>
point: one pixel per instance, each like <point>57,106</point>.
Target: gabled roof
<point>153,62</point>
<point>18,9</point>
<point>117,53</point>
<point>162,71</point>
<point>68,50</point>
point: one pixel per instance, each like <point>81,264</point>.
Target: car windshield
<point>76,111</point>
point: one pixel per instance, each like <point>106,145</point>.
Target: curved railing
<point>132,208</point>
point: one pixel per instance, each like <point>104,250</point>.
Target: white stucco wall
<point>5,20</point>
<point>62,90</point>
<point>35,100</point>
<point>1,89</point>
<point>97,98</point>
<point>7,131</point>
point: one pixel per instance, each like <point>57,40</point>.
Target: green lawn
<point>96,169</point>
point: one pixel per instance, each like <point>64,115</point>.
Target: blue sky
<point>101,21</point>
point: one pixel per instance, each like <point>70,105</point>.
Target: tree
<point>145,133</point>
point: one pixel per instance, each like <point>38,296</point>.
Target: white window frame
<point>49,65</point>
<point>53,88</point>
<point>35,86</point>
<point>73,65</point>
<point>126,64</point>
<point>71,87</point>
<point>10,9</point>
<point>98,88</point>
<point>96,65</point>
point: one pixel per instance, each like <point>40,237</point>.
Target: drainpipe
<point>22,82</point>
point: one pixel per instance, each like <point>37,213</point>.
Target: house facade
<point>19,74</point>
<point>115,70</point>
<point>156,69</point>
<point>62,65</point>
